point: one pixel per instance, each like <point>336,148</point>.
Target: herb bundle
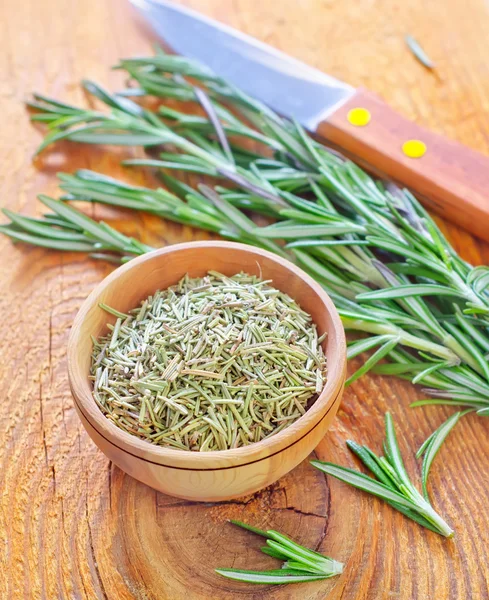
<point>209,364</point>
<point>301,564</point>
<point>392,274</point>
<point>393,484</point>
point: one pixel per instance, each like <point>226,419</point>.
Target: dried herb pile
<point>209,364</point>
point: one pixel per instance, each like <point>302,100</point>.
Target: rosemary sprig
<point>393,484</point>
<point>300,563</point>
<point>70,230</point>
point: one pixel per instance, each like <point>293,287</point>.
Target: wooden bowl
<point>216,475</point>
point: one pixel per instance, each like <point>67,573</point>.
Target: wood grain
<point>73,526</point>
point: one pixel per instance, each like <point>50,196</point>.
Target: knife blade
<point>259,70</point>
<point>449,178</point>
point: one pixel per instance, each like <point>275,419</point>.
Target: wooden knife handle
<point>449,178</point>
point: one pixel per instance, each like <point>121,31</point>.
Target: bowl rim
<point>176,458</point>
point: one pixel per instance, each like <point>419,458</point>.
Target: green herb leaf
<point>371,361</point>
<point>363,482</point>
<point>405,291</point>
<point>278,577</point>
<point>430,450</point>
<point>394,485</point>
<point>301,564</point>
<point>419,53</point>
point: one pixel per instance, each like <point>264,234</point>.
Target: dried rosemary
<point>209,364</point>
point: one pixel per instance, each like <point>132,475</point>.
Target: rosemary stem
<point>405,338</point>
<point>458,350</point>
<point>433,517</point>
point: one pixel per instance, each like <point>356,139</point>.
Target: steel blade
<point>285,84</point>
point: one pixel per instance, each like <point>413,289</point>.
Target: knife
<point>448,177</point>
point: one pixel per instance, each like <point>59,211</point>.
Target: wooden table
<point>74,526</point>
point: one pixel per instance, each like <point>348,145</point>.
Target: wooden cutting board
<point>72,525</point>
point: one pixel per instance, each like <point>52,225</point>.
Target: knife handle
<point>449,178</point>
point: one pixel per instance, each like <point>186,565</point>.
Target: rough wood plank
<point>71,525</point>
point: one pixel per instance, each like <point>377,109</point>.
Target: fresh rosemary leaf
<point>301,567</point>
<point>422,375</point>
<point>233,214</point>
<point>315,243</point>
<point>430,449</point>
<point>475,357</point>
<point>363,345</point>
<point>418,52</point>
<point>372,360</point>
<point>289,554</point>
<point>41,229</point>
<point>394,453</point>
<point>305,205</point>
<point>45,242</point>
<point>403,249</point>
<point>194,165</point>
<point>121,103</point>
<point>273,553</point>
<point>286,542</point>
<point>363,482</point>
<point>289,141</point>
<point>47,117</point>
<point>91,135</point>
<point>84,222</point>
<point>370,461</point>
<point>404,291</point>
<point>58,135</point>
<point>481,282</point>
<point>249,527</point>
<point>51,104</point>
<point>302,230</point>
<point>207,105</point>
<point>303,217</point>
<point>475,334</point>
<point>426,443</point>
<point>277,577</point>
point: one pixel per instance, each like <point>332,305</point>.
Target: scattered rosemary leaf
<point>418,52</point>
<point>432,444</point>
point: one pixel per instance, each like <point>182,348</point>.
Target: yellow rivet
<point>359,117</point>
<point>414,148</point>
